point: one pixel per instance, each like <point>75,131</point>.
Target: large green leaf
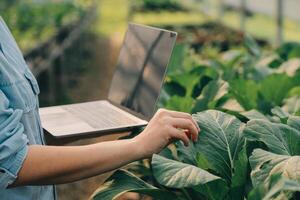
<point>294,121</point>
<point>275,88</point>
<point>289,50</point>
<point>186,154</point>
<point>209,190</point>
<point>283,185</point>
<point>232,58</point>
<point>233,107</point>
<point>220,140</point>
<point>176,60</point>
<point>278,187</point>
<point>172,88</point>
<point>257,192</point>
<point>292,105</point>
<point>176,174</point>
<point>183,104</point>
<point>279,138</point>
<point>211,93</point>
<point>186,80</point>
<point>258,72</point>
<point>295,91</point>
<point>270,61</point>
<point>245,92</point>
<point>122,181</point>
<point>264,164</point>
<point>281,114</point>
<point>290,67</point>
<point>252,46</point>
<point>254,114</point>
<point>202,162</point>
<point>239,178</point>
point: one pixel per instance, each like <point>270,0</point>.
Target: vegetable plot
<point>246,103</point>
<point>238,80</point>
<point>217,167</point>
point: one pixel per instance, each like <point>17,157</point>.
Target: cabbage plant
<point>259,159</point>
<point>247,103</point>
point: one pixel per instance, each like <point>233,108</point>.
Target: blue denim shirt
<point>20,124</point>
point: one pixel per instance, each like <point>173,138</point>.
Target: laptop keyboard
<point>101,114</point>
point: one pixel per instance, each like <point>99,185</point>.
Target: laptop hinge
<point>139,115</point>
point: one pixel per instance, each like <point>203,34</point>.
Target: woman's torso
<point>21,89</point>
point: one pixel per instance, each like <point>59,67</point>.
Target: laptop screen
<point>141,67</point>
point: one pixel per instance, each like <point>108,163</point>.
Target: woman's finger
<point>177,114</point>
<point>190,136</point>
<point>183,123</point>
<point>180,135</point>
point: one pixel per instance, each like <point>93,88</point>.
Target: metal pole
<point>207,8</point>
<point>279,22</point>
<point>243,15</point>
<point>221,10</point>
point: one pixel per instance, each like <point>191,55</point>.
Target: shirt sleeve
<point>13,142</point>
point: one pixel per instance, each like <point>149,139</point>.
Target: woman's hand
<point>78,162</point>
<point>165,127</point>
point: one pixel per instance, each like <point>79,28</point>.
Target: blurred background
<point>72,46</point>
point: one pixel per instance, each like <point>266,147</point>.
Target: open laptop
<point>133,93</point>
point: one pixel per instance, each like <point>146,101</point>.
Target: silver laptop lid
<point>141,67</point>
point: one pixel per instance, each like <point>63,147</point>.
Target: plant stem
<point>186,194</point>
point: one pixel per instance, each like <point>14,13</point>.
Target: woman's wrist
<point>139,148</point>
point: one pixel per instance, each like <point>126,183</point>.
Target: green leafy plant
<point>217,166</point>
<point>246,103</point>
<point>158,5</point>
<point>36,22</point>
<point>238,80</point>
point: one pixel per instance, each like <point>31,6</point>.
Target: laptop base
<point>89,117</point>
